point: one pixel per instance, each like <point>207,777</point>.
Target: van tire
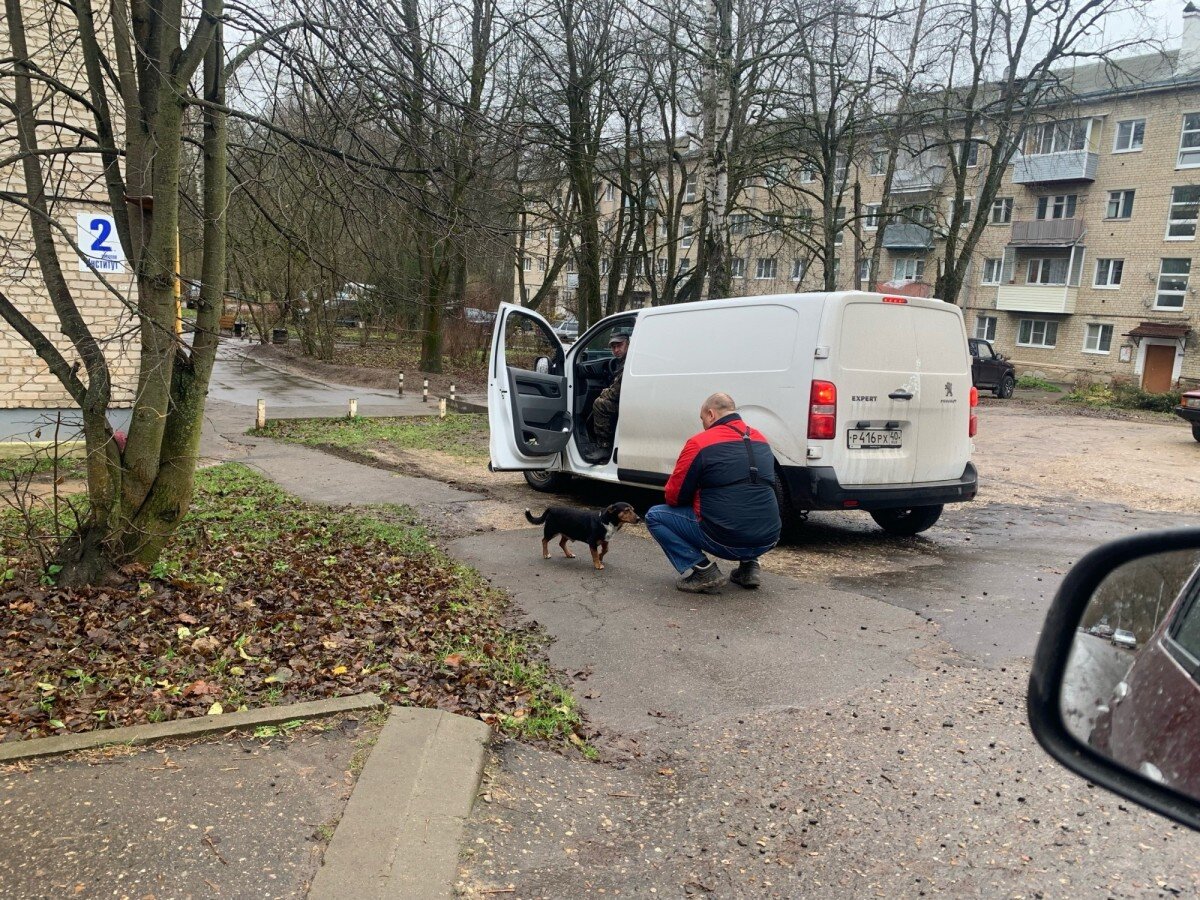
<point>907,521</point>
<point>1004,390</point>
<point>545,480</point>
<point>790,520</point>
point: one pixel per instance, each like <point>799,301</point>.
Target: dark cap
<point>620,334</point>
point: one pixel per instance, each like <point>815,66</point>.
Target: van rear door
<point>529,418</point>
<point>944,401</point>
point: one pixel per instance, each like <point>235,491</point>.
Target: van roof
<point>807,297</point>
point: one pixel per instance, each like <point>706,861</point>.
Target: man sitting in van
<point>720,502</point>
<point>608,404</point>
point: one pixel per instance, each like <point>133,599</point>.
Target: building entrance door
<point>1160,362</point>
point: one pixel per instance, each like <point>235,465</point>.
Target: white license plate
<point>873,438</point>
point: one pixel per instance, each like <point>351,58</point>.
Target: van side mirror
<point>1115,690</point>
<point>542,365</point>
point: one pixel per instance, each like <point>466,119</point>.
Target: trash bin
<point>239,329</point>
<point>279,335</point>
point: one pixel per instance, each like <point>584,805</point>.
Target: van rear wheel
<point>908,520</point>
<point>545,480</point>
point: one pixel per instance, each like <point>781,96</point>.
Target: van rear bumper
<point>819,488</point>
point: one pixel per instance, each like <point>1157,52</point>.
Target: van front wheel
<point>908,520</point>
<point>545,480</point>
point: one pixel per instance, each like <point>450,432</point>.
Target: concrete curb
<point>467,406</point>
<point>401,832</point>
<point>186,728</point>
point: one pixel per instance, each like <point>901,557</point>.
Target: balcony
<point>1046,232</point>
<point>1048,168</point>
<point>907,236</point>
<point>911,181</point>
<point>1036,298</point>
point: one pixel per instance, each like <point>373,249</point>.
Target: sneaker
<point>702,580</point>
<point>747,574</point>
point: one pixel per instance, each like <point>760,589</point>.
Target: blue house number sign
<point>99,247</point>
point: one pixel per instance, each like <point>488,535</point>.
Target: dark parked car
<point>1189,410</point>
<point>990,370</point>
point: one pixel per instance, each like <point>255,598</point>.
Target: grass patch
<point>263,600</point>
<point>1033,383</point>
<point>1122,395</point>
<point>464,435</point>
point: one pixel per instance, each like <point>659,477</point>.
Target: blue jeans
<point>677,531</point>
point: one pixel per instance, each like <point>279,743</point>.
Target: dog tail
<point>535,520</point>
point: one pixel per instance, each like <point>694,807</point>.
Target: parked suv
<point>1189,410</point>
<point>990,370</point>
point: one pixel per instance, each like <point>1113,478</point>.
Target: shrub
<point>1034,383</point>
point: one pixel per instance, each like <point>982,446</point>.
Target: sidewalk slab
<point>400,834</point>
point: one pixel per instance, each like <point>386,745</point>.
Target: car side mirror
<point>542,365</point>
<point>1115,690</point>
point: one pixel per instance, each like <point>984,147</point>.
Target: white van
<point>866,398</point>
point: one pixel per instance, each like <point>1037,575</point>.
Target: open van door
<point>529,413</point>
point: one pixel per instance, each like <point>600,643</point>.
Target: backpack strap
<point>749,450</point>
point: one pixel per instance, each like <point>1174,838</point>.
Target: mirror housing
<point>542,365</point>
<point>1050,664</point>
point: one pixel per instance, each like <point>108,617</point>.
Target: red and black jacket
<point>727,474</point>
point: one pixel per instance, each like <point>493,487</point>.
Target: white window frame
<point>526,263</point>
<point>688,227</point>
<point>807,175</point>
<point>685,265</point>
<point>1116,264</point>
<point>1189,156</point>
<point>799,268</point>
<point>773,221</point>
<point>541,264</point>
<point>988,331</point>
<point>1132,123</point>
<point>689,189</point>
<point>1050,204</point>
<point>969,153</point>
<point>901,268</point>
<point>878,163</point>
<point>610,192</point>
<point>738,223</point>
<point>1003,205</point>
<point>1099,334</point>
<point>1057,132</point>
<point>1125,200</point>
<point>839,221</point>
<point>1045,262</point>
<point>660,267</point>
<point>737,267</point>
<point>1172,221</point>
<point>1047,326</point>
<point>1181,292</point>
<point>871,216</point>
<point>996,263</point>
<point>766,268</point>
<point>864,271</point>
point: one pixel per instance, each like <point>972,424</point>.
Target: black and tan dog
<point>594,528</point>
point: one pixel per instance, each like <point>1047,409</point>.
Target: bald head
<point>715,407</point>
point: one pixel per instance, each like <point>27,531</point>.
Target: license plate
<point>872,438</point>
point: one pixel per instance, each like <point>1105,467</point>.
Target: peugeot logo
<point>949,389</point>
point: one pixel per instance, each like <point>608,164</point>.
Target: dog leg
<point>596,559</point>
<point>545,548</point>
<point>566,550</point>
<point>603,550</point>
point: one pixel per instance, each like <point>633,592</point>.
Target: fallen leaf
<point>216,709</point>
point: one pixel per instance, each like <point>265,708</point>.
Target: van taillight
<point>822,411</point>
<point>973,423</point>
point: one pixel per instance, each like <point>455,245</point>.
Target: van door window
<point>526,341</point>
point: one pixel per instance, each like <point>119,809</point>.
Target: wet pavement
<point>230,817</point>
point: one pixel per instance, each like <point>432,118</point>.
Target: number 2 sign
<point>99,246</point>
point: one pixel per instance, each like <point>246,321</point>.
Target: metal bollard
<point>353,414</point>
<point>451,392</point>
<point>401,384</point>
<point>425,392</point>
<point>442,408</point>
<point>260,417</point>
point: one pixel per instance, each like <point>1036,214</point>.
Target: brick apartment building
<point>1089,264</point>
<point>30,396</point>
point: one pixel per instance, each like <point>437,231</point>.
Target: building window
<point>765,267</point>
<point>1060,206</point>
<point>985,327</point>
<point>1172,283</point>
<point>807,175</point>
<point>527,263</point>
<point>964,210</point>
<point>839,222</point>
<point>1047,271</point>
<point>1060,137</point>
<point>841,165</point>
<point>660,267</point>
<point>969,153</point>
<point>1185,207</point>
<point>991,270</point>
<point>864,271</point>
<point>604,265</point>
<point>571,267</point>
<point>541,264</point>
<point>1120,205</point>
<point>633,267</point>
<point>610,192</point>
<point>737,223</point>
<point>908,269</point>
<point>1189,142</point>
<point>688,229</point>
<point>737,267</point>
<point>1108,273</point>
<point>774,221</point>
<point>1001,212</point>
<point>685,266</point>
<point>689,190</point>
<point>1131,135</point>
<point>871,219</point>
<point>798,268</point>
<point>878,162</point>
<point>1098,338</point>
<point>1037,333</point>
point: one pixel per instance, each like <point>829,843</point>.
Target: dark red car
<point>1189,410</point>
<point>1150,726</point>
